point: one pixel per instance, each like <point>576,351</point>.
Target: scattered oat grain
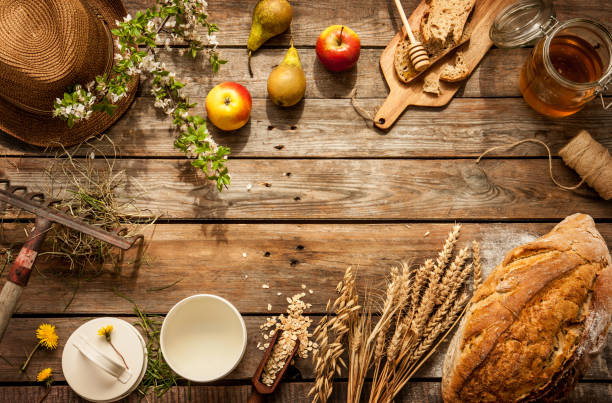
<point>265,286</point>
<point>294,326</point>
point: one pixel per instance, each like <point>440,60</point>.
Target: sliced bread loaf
<point>443,23</point>
<point>403,66</point>
<point>457,72</point>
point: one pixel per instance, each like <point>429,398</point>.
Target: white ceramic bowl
<point>203,338</point>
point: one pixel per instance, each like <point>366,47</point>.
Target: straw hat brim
<point>48,131</point>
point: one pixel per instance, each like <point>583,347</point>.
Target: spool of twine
<point>591,160</point>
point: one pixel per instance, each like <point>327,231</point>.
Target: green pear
<point>287,82</point>
<point>270,18</point>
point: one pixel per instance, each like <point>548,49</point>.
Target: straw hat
<point>47,46</point>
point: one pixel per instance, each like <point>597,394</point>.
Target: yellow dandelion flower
<point>106,331</point>
<point>47,336</point>
<point>44,375</point>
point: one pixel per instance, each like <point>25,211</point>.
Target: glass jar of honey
<point>570,64</point>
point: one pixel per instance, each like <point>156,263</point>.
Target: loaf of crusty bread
<point>533,327</point>
<point>444,21</point>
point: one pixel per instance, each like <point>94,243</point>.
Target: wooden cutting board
<point>403,95</point>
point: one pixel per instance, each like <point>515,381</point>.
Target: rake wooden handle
<point>417,53</point>
<point>20,272</point>
<point>9,296</point>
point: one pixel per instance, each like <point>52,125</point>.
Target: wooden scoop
<point>260,389</point>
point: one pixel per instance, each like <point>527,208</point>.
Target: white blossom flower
<point>193,15</point>
<point>116,97</point>
<point>212,39</point>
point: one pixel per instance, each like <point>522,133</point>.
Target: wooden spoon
<point>260,389</point>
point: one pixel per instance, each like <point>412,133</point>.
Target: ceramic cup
<point>203,338</point>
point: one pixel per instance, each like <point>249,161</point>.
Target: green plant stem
<point>119,354</point>
<point>27,361</point>
<point>43,397</point>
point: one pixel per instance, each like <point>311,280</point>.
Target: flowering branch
<point>136,41</point>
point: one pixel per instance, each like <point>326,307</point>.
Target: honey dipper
<point>417,53</point>
<point>259,388</point>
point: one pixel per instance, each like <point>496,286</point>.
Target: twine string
<point>591,160</point>
<point>365,114</point>
<point>595,169</point>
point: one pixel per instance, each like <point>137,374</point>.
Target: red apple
<point>228,106</point>
<point>338,48</point>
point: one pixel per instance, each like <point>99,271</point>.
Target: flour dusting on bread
<point>536,323</point>
<point>499,240</point>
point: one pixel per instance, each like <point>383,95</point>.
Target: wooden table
<point>327,192</point>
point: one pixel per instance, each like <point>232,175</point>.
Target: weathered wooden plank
<point>20,337</point>
<point>331,128</point>
<point>497,75</point>
<point>209,258</point>
<point>375,21</point>
<point>294,392</point>
<point>346,189</point>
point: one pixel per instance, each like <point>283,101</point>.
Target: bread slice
<point>443,23</point>
<point>457,72</point>
<point>536,323</point>
<point>403,65</point>
<point>431,83</point>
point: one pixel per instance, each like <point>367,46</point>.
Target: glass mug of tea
<point>570,64</point>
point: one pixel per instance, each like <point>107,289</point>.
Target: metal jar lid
<point>522,23</point>
<point>94,370</point>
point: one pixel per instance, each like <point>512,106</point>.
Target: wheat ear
<point>477,265</point>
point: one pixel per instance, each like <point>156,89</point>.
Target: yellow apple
<point>228,106</point>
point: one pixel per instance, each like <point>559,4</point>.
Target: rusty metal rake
<point>46,215</point>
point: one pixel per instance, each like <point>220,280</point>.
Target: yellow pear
<point>270,18</point>
<point>287,82</point>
